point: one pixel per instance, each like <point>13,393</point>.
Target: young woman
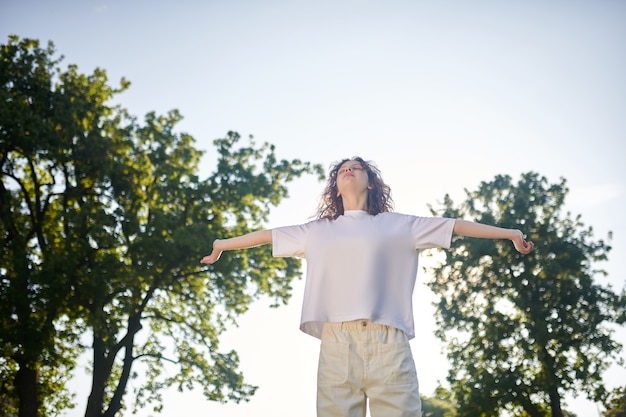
<point>361,268</point>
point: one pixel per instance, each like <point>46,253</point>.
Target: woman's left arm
<point>472,229</point>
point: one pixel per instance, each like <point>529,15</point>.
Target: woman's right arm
<point>260,237</point>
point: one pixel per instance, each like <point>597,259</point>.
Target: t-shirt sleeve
<point>432,232</point>
<point>289,240</point>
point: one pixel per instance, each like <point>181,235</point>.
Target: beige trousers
<point>361,361</point>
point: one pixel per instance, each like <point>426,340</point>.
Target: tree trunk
<point>555,403</point>
<point>103,364</point>
<point>551,382</point>
<point>134,325</point>
<point>98,380</point>
<point>27,389</point>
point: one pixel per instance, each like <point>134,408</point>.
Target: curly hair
<point>378,198</point>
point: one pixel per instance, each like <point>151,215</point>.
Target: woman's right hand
<point>214,256</point>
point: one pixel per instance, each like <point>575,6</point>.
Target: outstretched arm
<point>249,240</point>
<point>471,229</point>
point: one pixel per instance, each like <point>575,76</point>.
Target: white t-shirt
<point>361,266</point>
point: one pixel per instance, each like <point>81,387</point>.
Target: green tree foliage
<point>104,222</point>
<point>523,330</point>
<point>616,403</point>
<point>439,405</point>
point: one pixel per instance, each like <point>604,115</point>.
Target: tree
<point>616,403</point>
<point>439,405</point>
<point>105,220</point>
<point>37,124</point>
<point>523,330</point>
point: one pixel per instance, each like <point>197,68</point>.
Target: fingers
<point>212,258</point>
<point>208,260</point>
<point>526,247</point>
<point>521,245</point>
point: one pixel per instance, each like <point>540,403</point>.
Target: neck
<point>355,202</point>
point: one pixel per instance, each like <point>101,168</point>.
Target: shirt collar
<point>355,213</point>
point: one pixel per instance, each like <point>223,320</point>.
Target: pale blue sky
<point>440,94</point>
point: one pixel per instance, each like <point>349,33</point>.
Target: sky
<point>441,95</point>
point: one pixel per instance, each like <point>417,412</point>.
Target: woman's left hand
<point>522,246</point>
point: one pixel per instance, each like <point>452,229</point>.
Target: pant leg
<point>340,370</point>
<point>392,387</point>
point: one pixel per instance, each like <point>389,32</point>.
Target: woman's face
<point>352,177</point>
